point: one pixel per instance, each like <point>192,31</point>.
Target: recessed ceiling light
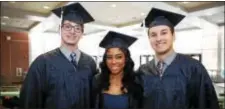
<point>185,2</point>
<point>46,7</point>
<point>5,17</point>
<point>142,14</point>
<point>113,5</point>
<point>3,23</point>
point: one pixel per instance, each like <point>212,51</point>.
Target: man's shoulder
<point>51,52</point>
<point>192,65</point>
<point>47,55</point>
<point>86,56</point>
<point>188,60</point>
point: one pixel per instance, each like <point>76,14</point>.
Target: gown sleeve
<point>31,94</point>
<point>203,91</point>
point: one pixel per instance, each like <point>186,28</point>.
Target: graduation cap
<point>115,39</point>
<point>74,12</point>
<point>161,17</point>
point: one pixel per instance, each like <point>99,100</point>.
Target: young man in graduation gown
<point>62,78</point>
<point>173,80</point>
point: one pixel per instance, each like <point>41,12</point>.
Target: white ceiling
<point>24,16</point>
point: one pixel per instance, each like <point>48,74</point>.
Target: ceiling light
<point>8,37</point>
<point>35,18</point>
<point>185,2</point>
<point>5,17</point>
<point>142,14</point>
<point>3,23</point>
<point>113,5</point>
<point>46,7</point>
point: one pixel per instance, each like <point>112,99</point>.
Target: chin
<point>161,52</point>
<point>71,42</point>
<point>115,72</point>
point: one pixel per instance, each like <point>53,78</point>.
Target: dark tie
<point>160,67</point>
<point>73,59</point>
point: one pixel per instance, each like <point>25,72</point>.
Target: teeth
<point>114,68</point>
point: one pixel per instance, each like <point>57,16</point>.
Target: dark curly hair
<point>128,80</point>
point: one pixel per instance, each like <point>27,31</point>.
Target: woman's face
<point>115,60</point>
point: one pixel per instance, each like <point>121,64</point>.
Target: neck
<point>116,79</point>
<point>164,55</point>
<point>70,47</point>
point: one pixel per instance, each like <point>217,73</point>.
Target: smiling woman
<point>115,60</point>
<point>116,85</point>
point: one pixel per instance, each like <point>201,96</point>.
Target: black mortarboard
<point>115,39</point>
<point>74,12</point>
<point>160,17</point>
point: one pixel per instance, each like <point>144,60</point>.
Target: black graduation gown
<point>52,82</point>
<point>135,92</point>
<point>185,84</point>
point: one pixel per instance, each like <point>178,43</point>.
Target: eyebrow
<point>164,30</point>
<point>152,32</point>
<point>120,54</point>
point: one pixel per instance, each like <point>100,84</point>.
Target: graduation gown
<point>135,92</point>
<point>185,84</point>
<point>52,82</point>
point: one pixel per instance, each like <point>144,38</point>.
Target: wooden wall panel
<point>14,54</point>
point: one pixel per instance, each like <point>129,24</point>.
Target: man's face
<point>71,32</point>
<point>161,39</point>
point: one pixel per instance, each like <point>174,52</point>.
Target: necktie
<point>73,59</point>
<point>160,68</point>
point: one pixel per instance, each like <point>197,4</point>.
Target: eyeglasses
<point>68,27</point>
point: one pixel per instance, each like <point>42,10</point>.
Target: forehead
<point>70,22</point>
<point>159,28</point>
<point>114,51</point>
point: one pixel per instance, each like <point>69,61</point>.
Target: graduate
<point>172,80</point>
<point>116,86</point>
<point>62,78</point>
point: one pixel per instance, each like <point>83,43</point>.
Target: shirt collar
<point>168,60</point>
<point>67,53</point>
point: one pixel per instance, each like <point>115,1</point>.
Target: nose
<point>113,61</point>
<point>72,30</point>
<point>158,38</point>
